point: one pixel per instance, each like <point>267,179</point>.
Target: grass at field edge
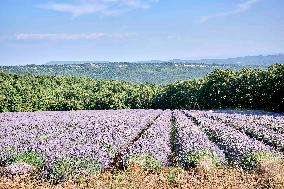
<point>223,177</point>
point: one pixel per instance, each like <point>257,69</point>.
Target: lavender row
<point>190,139</point>
<point>252,128</point>
<point>154,142</point>
<point>235,143</point>
<point>274,122</point>
<point>57,135</point>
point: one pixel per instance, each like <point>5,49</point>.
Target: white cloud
<point>59,36</point>
<point>242,7</point>
<point>103,7</point>
<point>94,36</point>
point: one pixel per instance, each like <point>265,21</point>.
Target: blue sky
<point>38,31</point>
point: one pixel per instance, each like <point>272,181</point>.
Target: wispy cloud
<point>242,7</point>
<point>93,36</point>
<point>103,7</point>
<point>58,36</point>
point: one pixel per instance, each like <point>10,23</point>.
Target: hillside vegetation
<point>223,88</point>
<point>263,60</point>
<point>154,73</point>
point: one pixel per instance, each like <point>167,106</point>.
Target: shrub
<point>145,162</point>
<point>254,160</point>
<point>193,158</point>
<point>29,157</point>
<point>71,168</point>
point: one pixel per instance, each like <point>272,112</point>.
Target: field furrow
<point>191,140</point>
<point>252,128</point>
<point>97,135</point>
<point>235,143</point>
<point>65,144</point>
<point>154,142</point>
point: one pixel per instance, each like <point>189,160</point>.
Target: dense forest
<point>223,88</point>
<point>154,73</point>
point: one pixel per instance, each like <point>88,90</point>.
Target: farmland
<point>118,94</point>
<point>220,131</point>
<point>102,140</point>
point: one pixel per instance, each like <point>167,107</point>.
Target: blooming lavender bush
<point>269,120</point>
<point>154,142</point>
<point>252,128</point>
<point>86,141</point>
<point>235,143</point>
<point>96,135</point>
<point>192,144</point>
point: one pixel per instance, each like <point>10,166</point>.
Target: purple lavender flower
<point>252,127</point>
<point>235,143</point>
<point>190,139</point>
<point>155,142</point>
<point>96,135</point>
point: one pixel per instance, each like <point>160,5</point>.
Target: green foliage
<point>196,156</point>
<point>74,168</point>
<point>146,162</point>
<point>179,95</point>
<point>41,93</point>
<point>253,160</point>
<point>29,157</point>
<point>227,89</point>
<point>213,93</point>
<point>171,177</point>
<point>245,89</point>
<point>154,73</point>
<point>109,148</point>
<point>173,134</point>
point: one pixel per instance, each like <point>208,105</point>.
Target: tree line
<point>154,73</point>
<point>223,88</point>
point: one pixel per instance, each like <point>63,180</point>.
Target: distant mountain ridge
<point>259,60</point>
<point>154,72</point>
<point>246,60</point>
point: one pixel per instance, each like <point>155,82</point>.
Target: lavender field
<point>116,138</point>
